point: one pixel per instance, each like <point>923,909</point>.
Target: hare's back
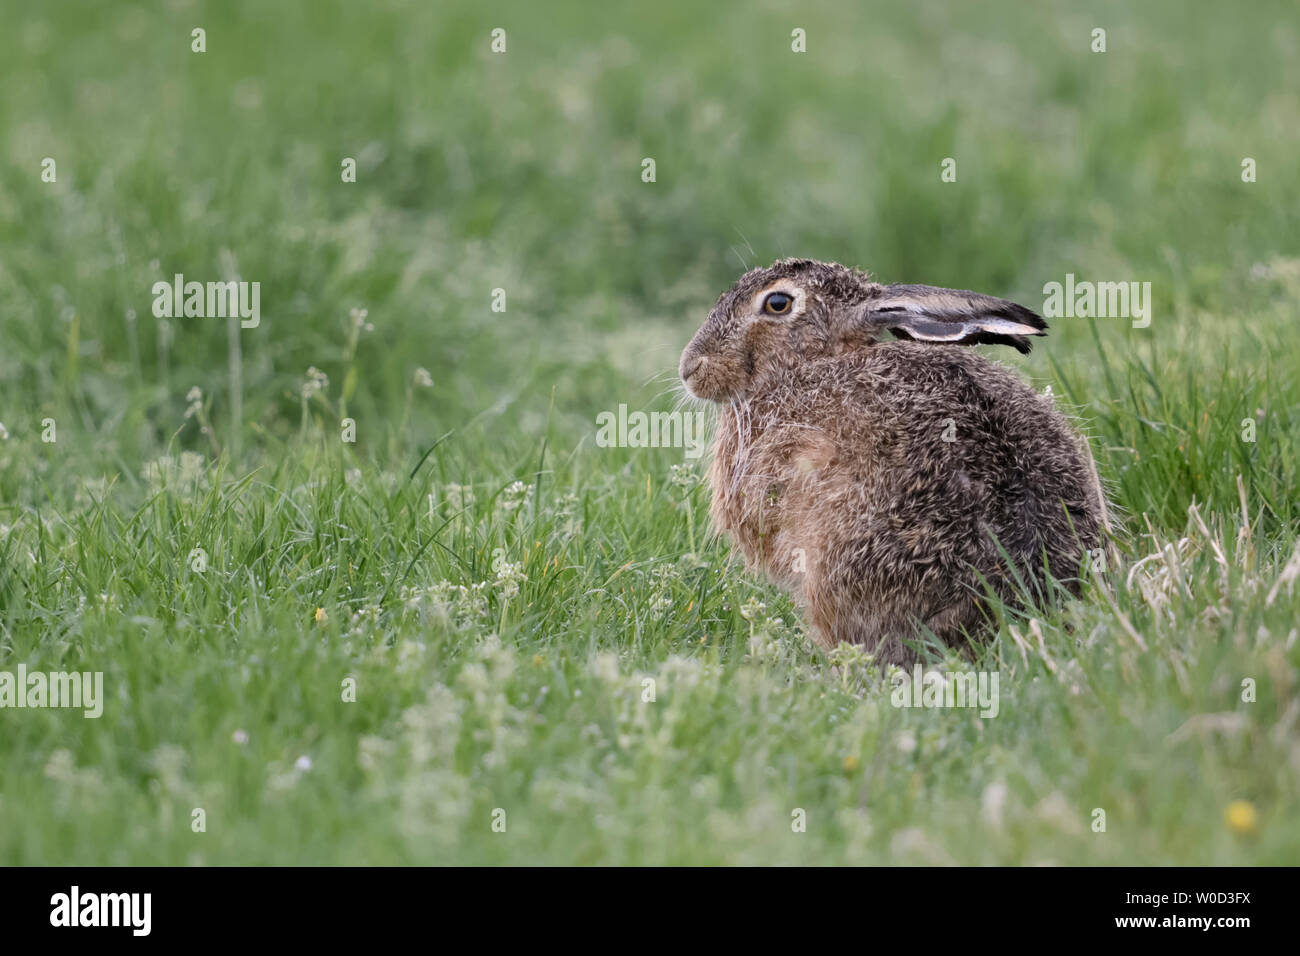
<point>948,399</point>
<point>940,437</point>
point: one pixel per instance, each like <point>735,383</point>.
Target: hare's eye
<point>777,303</point>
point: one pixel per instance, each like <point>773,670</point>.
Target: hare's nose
<point>689,367</point>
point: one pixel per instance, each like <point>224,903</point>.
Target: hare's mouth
<point>706,379</point>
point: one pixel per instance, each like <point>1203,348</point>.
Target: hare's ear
<point>929,314</point>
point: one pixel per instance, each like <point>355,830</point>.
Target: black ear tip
<point>1025,316</point>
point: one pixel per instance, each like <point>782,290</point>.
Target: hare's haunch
<point>887,485</point>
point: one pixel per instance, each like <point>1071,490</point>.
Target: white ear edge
<point>929,332</point>
<point>1007,327</point>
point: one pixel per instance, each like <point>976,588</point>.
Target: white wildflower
<point>660,606</point>
<point>510,574</point>
<point>514,494</point>
<point>763,648</point>
<point>474,678</point>
<point>358,317</point>
<point>191,470</point>
<point>683,476</point>
<point>316,381</point>
<point>364,618</point>
<point>662,575</point>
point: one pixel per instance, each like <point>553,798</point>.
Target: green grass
<point>522,172</point>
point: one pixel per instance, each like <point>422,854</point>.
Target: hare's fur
<point>889,485</point>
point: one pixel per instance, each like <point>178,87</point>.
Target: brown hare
<point>887,485</point>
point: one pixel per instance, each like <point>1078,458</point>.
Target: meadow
<point>435,643</point>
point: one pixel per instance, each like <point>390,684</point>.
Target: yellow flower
<point>850,763</point>
<point>321,616</point>
<point>539,661</point>
<point>1241,817</point>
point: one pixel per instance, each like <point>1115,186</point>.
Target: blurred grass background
<point>522,171</point>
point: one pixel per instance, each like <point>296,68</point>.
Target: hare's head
<point>799,310</point>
